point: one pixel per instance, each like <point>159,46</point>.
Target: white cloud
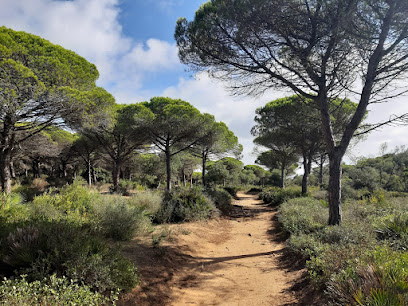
<point>91,29</point>
<point>211,96</point>
<point>158,55</point>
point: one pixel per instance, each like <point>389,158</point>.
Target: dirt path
<point>231,261</point>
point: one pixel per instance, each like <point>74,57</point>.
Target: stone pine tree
<point>42,84</point>
<point>121,137</point>
<point>176,126</point>
<point>320,49</point>
<point>218,141</point>
<point>296,120</point>
<point>281,156</point>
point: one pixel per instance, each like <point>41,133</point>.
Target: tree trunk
<point>36,166</point>
<point>282,182</point>
<point>64,168</point>
<point>89,171</point>
<point>168,168</point>
<point>321,171</point>
<point>116,175</point>
<point>335,189</point>
<point>93,175</point>
<point>305,178</point>
<point>5,158</point>
<point>5,169</point>
<point>12,170</point>
<point>204,164</point>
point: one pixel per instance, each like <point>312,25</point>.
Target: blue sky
<point>131,42</point>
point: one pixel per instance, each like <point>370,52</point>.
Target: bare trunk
<point>36,168</point>
<point>12,170</point>
<point>168,168</point>
<point>93,175</point>
<point>116,175</point>
<point>5,158</point>
<point>204,164</point>
<point>204,167</point>
<point>6,174</point>
<point>335,190</point>
<point>282,182</point>
<point>321,171</point>
<point>305,178</point>
<point>89,171</point>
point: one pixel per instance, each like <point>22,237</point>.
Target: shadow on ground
<point>167,266</point>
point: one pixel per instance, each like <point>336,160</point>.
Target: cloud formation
<point>91,29</point>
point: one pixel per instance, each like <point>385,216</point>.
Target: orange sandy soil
<point>236,260</point>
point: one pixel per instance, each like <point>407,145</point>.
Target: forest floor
<point>240,259</point>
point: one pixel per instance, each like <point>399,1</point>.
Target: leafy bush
<point>126,186</point>
<point>148,200</point>
<point>74,200</point>
<point>232,190</point>
<point>43,248</point>
<point>361,262</point>
<point>380,277</point>
<point>50,291</point>
<point>119,220</point>
<point>276,195</point>
<point>12,208</point>
<point>185,205</point>
<point>303,215</point>
<point>32,188</point>
<point>220,197</point>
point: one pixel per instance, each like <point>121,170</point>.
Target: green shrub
<point>379,277</point>
<point>119,220</point>
<point>50,291</point>
<point>74,200</point>
<point>148,200</point>
<point>220,197</point>
<point>126,186</point>
<point>232,190</point>
<point>303,215</point>
<point>276,195</point>
<point>12,208</point>
<point>185,205</point>
<point>43,248</point>
<point>32,189</point>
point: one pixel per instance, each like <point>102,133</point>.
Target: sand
<point>235,260</point>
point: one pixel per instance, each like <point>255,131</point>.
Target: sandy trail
<point>230,261</point>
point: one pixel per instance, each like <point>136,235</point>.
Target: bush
<point>74,200</point>
<point>380,277</point>
<point>148,200</point>
<point>185,205</point>
<point>220,197</point>
<point>32,189</point>
<point>12,208</point>
<point>43,248</point>
<point>232,190</point>
<point>50,291</point>
<point>361,262</point>
<point>276,195</point>
<point>118,220</point>
<point>303,215</point>
<point>126,186</point>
